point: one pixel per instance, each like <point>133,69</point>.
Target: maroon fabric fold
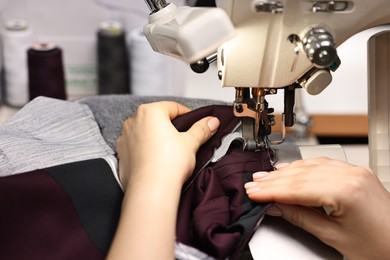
<point>228,122</point>
<point>215,199</point>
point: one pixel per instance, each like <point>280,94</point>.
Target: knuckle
<point>355,187</point>
<point>296,184</point>
<point>312,161</point>
<point>362,172</point>
<point>201,132</point>
<point>126,125</point>
<point>119,145</point>
<point>297,219</point>
<point>360,178</point>
<point>298,163</point>
<point>205,130</point>
<point>144,109</point>
<point>324,159</point>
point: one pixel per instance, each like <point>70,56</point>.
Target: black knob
<point>200,66</point>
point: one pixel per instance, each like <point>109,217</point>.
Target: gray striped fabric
<point>48,132</point>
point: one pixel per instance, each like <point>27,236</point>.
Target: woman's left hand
<point>359,223</point>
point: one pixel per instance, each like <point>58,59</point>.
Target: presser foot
<point>256,127</point>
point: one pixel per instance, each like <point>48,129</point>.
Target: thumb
<point>202,130</point>
<point>309,219</point>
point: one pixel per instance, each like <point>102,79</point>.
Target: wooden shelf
<point>335,125</point>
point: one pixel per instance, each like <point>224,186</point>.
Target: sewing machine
<point>264,46</point>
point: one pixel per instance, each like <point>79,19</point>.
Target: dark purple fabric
<point>31,221</point>
<point>228,122</point>
<point>215,199</point>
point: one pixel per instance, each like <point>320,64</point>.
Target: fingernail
<point>274,211</point>
<point>258,175</point>
<point>213,124</point>
<point>281,165</point>
<point>251,187</point>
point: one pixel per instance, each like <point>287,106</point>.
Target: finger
<point>307,171</point>
<point>202,130</point>
<point>165,109</point>
<point>262,174</point>
<point>298,189</point>
<point>311,220</point>
<point>317,161</point>
<point>174,109</point>
<point>119,145</point>
<point>301,166</point>
<point>282,165</point>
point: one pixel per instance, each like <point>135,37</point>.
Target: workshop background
<point>73,26</point>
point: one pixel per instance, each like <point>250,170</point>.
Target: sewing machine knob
<point>317,81</point>
<point>320,47</point>
<point>203,65</point>
<point>200,66</point>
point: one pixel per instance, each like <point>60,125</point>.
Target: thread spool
<point>113,61</point>
<point>46,71</point>
<point>17,38</point>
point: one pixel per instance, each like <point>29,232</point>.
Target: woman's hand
<point>359,223</point>
<point>150,145</point>
<point>154,162</point>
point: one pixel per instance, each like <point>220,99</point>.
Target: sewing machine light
<point>179,31</point>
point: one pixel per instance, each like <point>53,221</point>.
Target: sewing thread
<point>46,71</point>
<point>112,59</point>
<point>17,38</point>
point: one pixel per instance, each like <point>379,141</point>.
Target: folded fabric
<point>48,132</point>
<point>215,215</point>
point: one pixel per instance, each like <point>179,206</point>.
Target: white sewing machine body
<point>289,44</point>
<point>274,39</point>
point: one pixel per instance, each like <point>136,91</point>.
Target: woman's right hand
<point>154,161</point>
<point>151,147</point>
